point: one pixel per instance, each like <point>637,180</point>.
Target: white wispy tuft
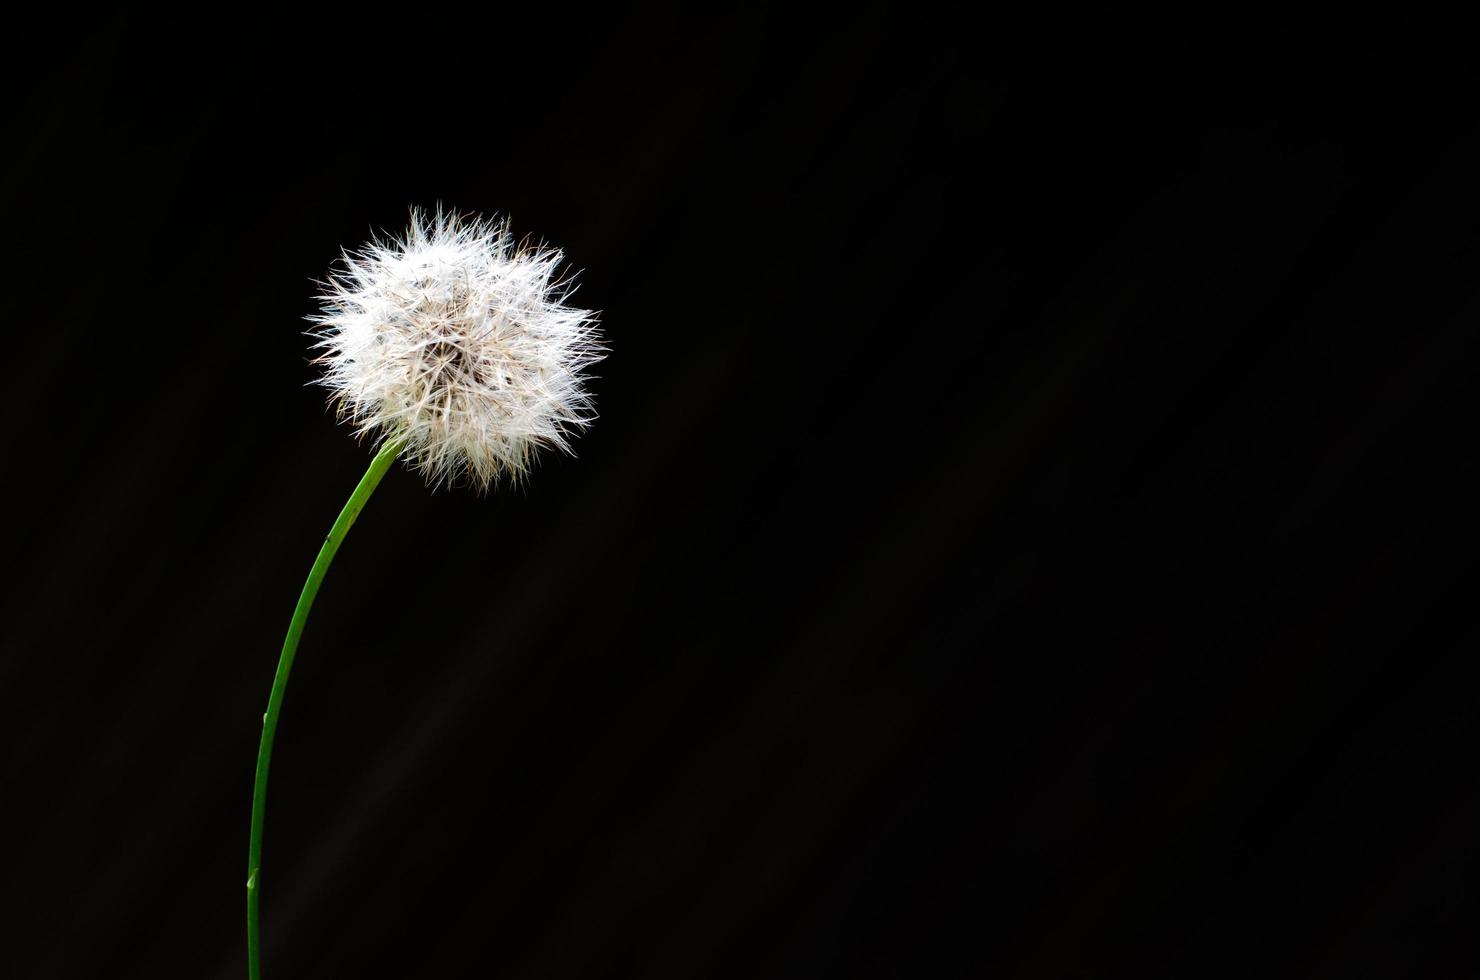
<point>457,342</point>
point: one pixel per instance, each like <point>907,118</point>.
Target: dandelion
<point>457,344</point>
<point>453,348</point>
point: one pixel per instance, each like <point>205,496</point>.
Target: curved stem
<point>352,508</point>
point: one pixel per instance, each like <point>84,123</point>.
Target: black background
<point>1020,538</point>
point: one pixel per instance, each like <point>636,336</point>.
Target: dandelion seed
<point>457,343</point>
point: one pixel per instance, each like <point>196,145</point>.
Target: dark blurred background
<point>1021,537</point>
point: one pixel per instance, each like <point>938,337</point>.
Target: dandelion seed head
<point>458,343</point>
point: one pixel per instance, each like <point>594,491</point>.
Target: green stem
<point>352,508</point>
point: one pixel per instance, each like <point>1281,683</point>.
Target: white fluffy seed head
<point>457,343</point>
